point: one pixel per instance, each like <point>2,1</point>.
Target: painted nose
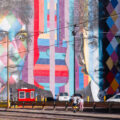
<point>13,51</point>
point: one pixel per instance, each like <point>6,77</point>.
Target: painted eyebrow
<point>22,31</point>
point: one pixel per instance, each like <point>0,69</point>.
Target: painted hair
<point>22,8</point>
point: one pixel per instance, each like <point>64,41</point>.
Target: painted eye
<point>21,36</point>
<point>93,44</point>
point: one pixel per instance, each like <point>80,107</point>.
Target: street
<point>12,115</point>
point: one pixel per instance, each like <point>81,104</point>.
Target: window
<point>22,94</point>
<point>117,96</point>
<point>64,94</point>
<point>27,94</point>
<point>32,94</point>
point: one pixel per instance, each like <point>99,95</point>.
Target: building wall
<point>49,61</point>
<point>43,53</point>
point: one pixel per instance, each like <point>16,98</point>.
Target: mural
<point>51,59</point>
<point>111,46</point>
<point>40,46</point>
<point>14,39</point>
<point>98,62</point>
<point>88,79</point>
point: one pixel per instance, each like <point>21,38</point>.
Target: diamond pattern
<point>110,91</point>
<point>113,23</point>
<point>114,70</point>
<point>110,8</point>
<point>117,22</point>
<point>110,35</point>
<point>109,63</point>
<point>109,49</point>
<point>114,29</point>
<point>114,43</point>
<point>114,85</point>
<point>110,77</point>
<point>114,3</point>
<point>114,56</point>
<point>110,22</point>
<point>117,77</point>
<point>114,16</point>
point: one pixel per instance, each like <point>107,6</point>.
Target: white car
<point>115,98</point>
<point>63,97</point>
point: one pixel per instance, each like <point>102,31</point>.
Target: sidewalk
<point>65,113</point>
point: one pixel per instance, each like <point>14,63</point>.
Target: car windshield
<point>63,94</point>
<point>117,96</point>
<point>77,95</point>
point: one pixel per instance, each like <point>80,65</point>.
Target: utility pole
<point>74,33</point>
<point>7,71</point>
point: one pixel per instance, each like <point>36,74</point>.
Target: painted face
<point>12,33</point>
<point>93,54</point>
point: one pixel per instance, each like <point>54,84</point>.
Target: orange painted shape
<point>86,80</point>
<point>61,68</point>
<point>41,67</point>
<point>41,15</point>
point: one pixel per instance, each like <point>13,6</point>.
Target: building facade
<point>38,47</point>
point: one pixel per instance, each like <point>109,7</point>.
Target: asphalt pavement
<point>65,113</point>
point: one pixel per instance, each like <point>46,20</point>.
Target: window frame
<point>24,94</point>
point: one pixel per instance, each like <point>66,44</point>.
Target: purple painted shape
<point>60,49</point>
<point>62,89</point>
<point>110,8</point>
<point>110,35</point>
<point>76,75</point>
<point>43,48</point>
<point>42,79</point>
<point>25,71</point>
<point>61,79</point>
<point>62,20</point>
<point>114,56</point>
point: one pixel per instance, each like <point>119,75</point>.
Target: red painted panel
<point>36,29</point>
<point>41,72</point>
<point>61,73</point>
<point>37,85</point>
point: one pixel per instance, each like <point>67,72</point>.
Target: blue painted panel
<point>110,22</point>
<point>45,15</point>
<point>81,78</point>
<point>43,42</point>
<point>43,61</point>
<point>60,62</point>
<point>43,55</point>
<point>71,50</point>
<point>109,49</point>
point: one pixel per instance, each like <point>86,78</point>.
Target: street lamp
<point>7,71</point>
<point>5,34</point>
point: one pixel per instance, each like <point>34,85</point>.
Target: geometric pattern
<point>113,74</point>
